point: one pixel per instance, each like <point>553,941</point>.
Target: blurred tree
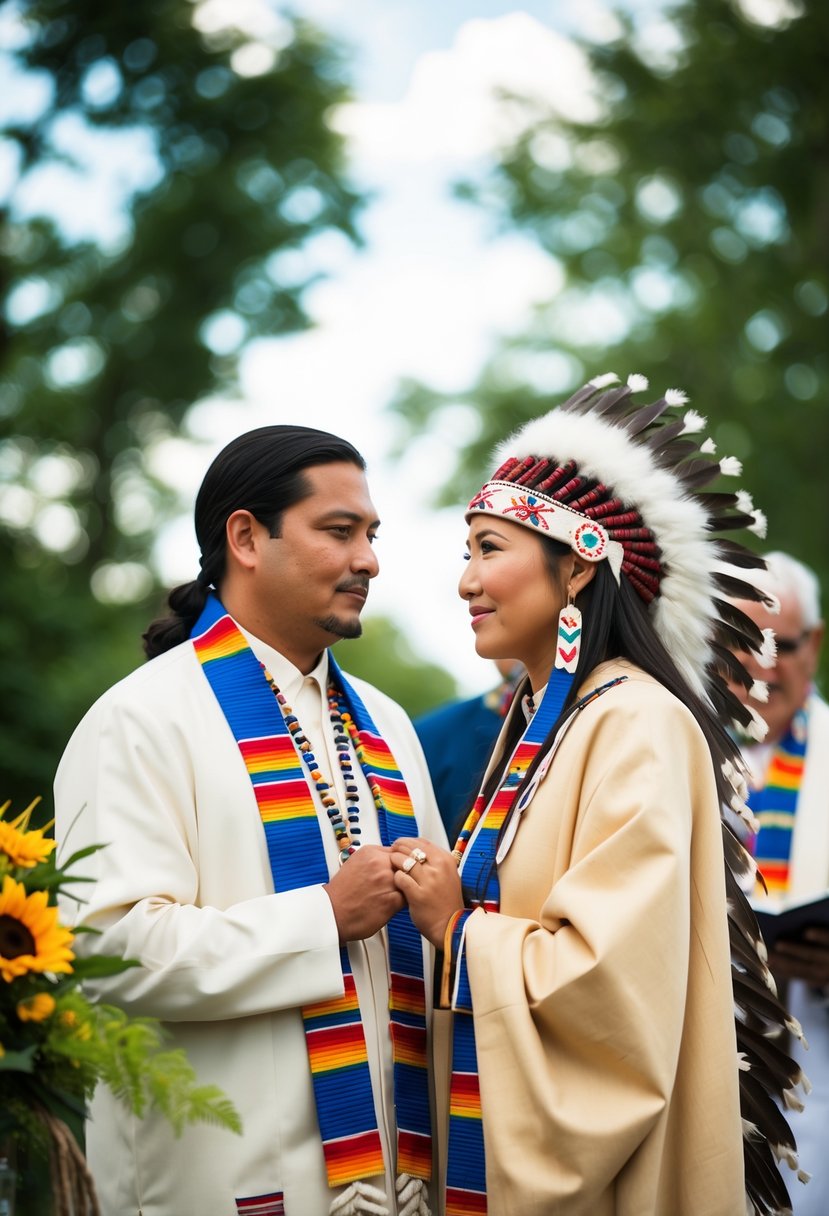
<point>686,218</point>
<point>215,135</point>
<point>384,657</point>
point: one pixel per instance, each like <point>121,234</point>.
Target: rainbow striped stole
<point>407,991</point>
<point>334,1034</point>
<point>775,805</point>
<point>477,845</point>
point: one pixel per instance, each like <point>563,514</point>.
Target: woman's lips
<point>478,615</point>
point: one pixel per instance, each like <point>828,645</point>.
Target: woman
<point>585,932</point>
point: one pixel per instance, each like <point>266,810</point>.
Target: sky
<point>426,296</point>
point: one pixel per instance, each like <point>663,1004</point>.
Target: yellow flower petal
<point>36,1008</point>
<point>31,937</point>
<point>24,848</point>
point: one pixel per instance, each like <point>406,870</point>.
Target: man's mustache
<point>359,581</point>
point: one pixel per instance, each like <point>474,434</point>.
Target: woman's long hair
<point>261,472</point>
<point>615,625</point>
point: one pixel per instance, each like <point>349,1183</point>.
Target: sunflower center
<point>15,938</point>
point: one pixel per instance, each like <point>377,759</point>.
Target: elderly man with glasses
<point>790,799</point>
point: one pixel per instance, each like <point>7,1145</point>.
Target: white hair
<point>785,575</point>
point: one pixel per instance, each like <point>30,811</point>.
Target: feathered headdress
<point>628,483</point>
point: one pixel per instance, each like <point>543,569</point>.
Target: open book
<point>789,917</point>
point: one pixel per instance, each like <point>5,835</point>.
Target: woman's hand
<point>427,876</point>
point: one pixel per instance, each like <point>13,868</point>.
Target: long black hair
<point>615,625</point>
<point>262,472</point>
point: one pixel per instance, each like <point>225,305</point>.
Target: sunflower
<point>24,848</point>
<point>31,938</point>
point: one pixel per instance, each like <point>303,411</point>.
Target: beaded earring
<point>568,641</point>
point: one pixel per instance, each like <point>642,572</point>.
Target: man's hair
<point>263,471</point>
<point>786,575</point>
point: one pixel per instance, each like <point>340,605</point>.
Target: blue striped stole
<point>477,845</point>
<point>335,1040</point>
<point>775,805</point>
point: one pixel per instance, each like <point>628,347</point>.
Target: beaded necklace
<point>347,831</point>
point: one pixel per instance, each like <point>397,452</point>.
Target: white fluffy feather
<point>637,383</point>
<point>693,422</point>
<point>757,727</point>
<point>760,524</point>
<point>681,613</point>
<point>730,466</point>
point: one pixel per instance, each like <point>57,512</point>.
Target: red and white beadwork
<point>538,511</point>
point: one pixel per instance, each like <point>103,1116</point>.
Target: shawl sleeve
<point>579,1011</point>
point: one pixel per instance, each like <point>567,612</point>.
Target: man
<point>229,779</point>
<point>790,798</point>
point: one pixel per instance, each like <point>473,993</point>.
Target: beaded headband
<point>537,510</point>
<point>624,482</point>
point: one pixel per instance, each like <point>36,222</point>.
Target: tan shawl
<point>602,991</point>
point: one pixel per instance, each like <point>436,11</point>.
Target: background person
<point>230,778</point>
<point>790,799</point>
<point>586,936</point>
<point>475,720</point>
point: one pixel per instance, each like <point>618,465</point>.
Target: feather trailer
<point>738,519</point>
<point>666,434</point>
<point>736,554</point>
<point>738,589</point>
<point>731,615</point>
<point>675,451</point>
<point>697,473</point>
<point>740,862</point>
<point>729,667</point>
<point>644,417</point>
<point>780,1074</point>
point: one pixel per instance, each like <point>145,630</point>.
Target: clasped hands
<point>376,882</point>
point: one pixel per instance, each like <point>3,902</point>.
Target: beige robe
<point>602,991</point>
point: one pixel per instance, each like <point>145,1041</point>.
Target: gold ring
<point>419,855</point>
<point>409,864</point>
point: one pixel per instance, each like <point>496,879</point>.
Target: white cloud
<point>454,108</point>
<point>426,299</point>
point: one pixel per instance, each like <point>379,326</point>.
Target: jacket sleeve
<point>579,1014</point>
<point>128,781</point>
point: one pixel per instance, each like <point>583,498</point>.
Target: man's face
<point>797,658</point>
<point>311,581</point>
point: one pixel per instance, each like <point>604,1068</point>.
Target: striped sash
<point>477,845</point>
<point>334,1034</point>
<point>775,805</point>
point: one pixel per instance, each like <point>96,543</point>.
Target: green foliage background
<point>685,221</point>
<point>688,224</point>
<point>247,171</point>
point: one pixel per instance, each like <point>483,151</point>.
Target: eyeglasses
<point>791,645</point>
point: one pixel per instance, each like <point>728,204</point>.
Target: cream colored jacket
<point>184,886</point>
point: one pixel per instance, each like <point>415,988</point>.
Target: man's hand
<point>363,893</point>
<point>805,959</point>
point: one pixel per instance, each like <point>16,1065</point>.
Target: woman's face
<point>514,599</point>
